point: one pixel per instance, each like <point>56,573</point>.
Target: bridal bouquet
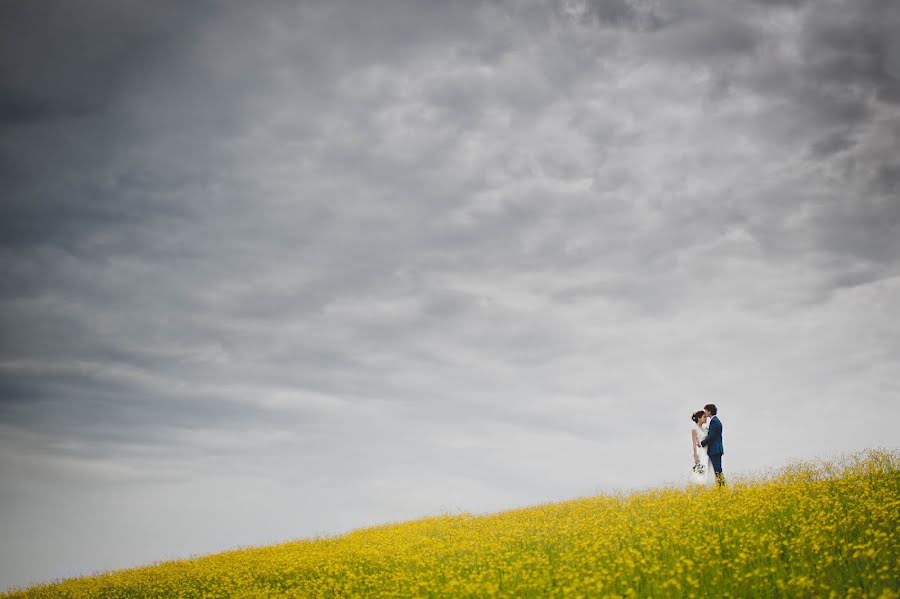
<point>699,469</point>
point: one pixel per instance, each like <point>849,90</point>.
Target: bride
<point>700,474</point>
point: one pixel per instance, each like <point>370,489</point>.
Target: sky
<point>287,269</point>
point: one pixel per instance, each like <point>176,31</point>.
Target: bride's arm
<point>694,445</point>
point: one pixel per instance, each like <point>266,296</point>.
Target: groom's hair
<point>696,415</point>
<point>711,407</point>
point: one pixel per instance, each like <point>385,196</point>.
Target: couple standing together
<point>706,437</point>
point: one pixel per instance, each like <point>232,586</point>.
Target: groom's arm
<point>715,431</point>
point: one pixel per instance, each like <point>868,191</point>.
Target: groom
<point>713,442</point>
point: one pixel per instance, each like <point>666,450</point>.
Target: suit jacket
<point>713,440</point>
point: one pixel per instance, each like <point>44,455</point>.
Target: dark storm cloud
<point>388,257</point>
<point>846,54</point>
<point>64,69</point>
<point>831,84</point>
<point>856,45</point>
<point>59,60</point>
<point>113,107</point>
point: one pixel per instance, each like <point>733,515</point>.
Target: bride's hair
<point>696,415</point>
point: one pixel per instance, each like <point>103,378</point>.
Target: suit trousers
<point>716,463</point>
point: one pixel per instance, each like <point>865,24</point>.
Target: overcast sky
<point>281,269</point>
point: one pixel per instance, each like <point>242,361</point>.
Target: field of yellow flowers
<point>824,529</point>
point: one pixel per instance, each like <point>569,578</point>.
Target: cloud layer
<point>304,267</point>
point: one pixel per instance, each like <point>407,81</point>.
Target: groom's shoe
<point>720,479</point>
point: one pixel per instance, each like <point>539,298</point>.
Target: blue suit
<point>713,440</point>
<point>714,447</point>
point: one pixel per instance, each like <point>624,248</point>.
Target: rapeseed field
<point>826,529</point>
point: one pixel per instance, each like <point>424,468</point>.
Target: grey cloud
<point>714,38</point>
<point>782,3</point>
<point>832,143</point>
<point>838,95</point>
<point>845,50</point>
<point>18,107</point>
<point>888,178</point>
<point>853,44</point>
<point>628,14</point>
<point>614,12</point>
<point>58,60</point>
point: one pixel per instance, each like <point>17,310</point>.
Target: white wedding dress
<point>705,477</point>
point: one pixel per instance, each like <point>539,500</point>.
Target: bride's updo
<point>696,415</point>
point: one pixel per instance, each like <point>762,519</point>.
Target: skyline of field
<point>820,529</point>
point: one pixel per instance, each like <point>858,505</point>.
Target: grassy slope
<point>809,530</point>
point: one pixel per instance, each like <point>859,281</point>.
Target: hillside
<point>817,530</point>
